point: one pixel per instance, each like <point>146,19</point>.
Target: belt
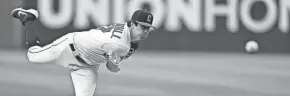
<point>77,54</point>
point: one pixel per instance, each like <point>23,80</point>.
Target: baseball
<point>252,47</point>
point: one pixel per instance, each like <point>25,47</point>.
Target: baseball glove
<point>134,47</point>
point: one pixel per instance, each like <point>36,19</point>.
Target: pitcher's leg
<point>28,18</point>
<point>37,54</point>
<point>32,37</point>
<point>50,52</point>
<point>85,81</point>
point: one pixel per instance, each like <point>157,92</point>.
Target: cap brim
<point>146,24</point>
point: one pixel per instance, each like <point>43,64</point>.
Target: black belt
<point>77,55</point>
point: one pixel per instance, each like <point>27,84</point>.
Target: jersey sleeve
<point>116,52</point>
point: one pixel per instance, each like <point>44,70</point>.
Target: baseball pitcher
<point>83,52</point>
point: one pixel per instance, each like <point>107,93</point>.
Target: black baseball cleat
<point>24,16</point>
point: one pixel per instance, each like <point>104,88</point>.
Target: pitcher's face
<point>140,32</point>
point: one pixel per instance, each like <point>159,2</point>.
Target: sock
<point>32,37</point>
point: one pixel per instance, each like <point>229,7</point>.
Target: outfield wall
<point>196,25</point>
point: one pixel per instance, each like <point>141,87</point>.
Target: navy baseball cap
<point>143,17</point>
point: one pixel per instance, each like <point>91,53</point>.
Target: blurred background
<point>197,50</point>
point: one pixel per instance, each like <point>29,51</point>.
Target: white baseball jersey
<point>113,38</point>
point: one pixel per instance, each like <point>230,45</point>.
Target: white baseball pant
<point>60,53</point>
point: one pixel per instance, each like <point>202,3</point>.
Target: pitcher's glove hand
<point>134,47</point>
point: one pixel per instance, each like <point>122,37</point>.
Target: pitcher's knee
<point>38,58</point>
<point>33,58</point>
<point>36,54</point>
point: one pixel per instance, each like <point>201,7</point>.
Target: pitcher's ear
<point>133,25</point>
